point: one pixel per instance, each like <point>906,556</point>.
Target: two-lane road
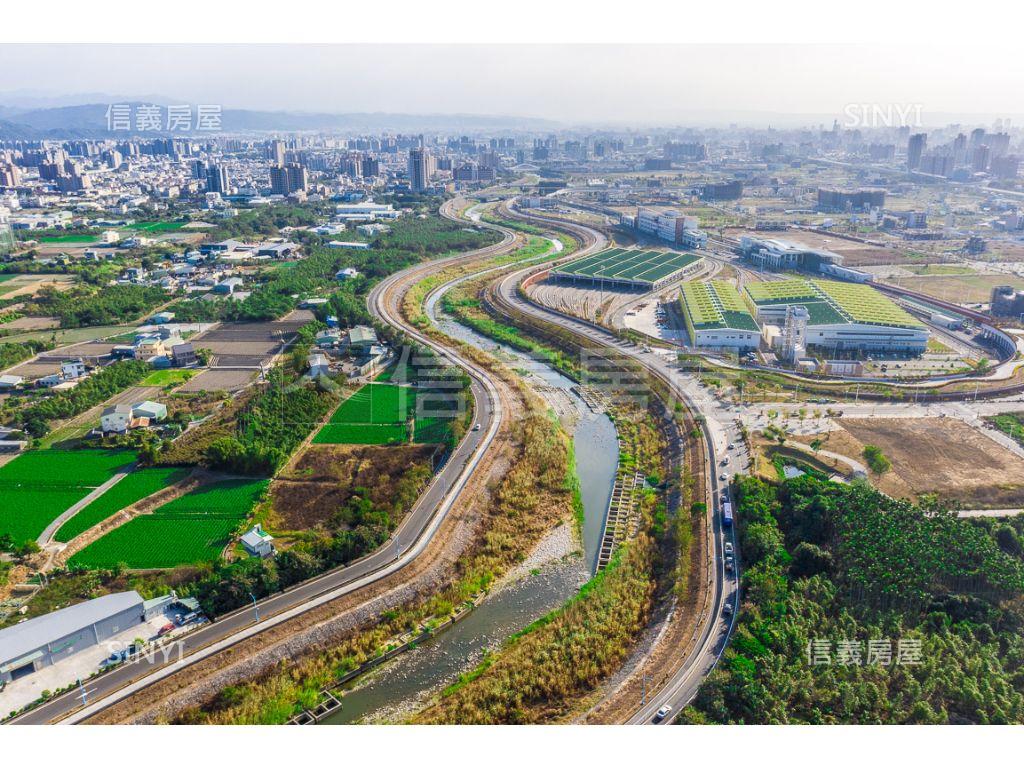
<point>409,540</point>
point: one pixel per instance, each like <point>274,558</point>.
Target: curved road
<point>406,544</point>
<point>716,626</point>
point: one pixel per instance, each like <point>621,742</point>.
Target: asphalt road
<point>408,542</point>
<point>716,627</point>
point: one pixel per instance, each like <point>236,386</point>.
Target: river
<point>550,576</point>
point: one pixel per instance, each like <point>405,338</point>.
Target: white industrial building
<point>673,226</point>
<point>45,640</point>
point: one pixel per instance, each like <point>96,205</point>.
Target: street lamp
<point>255,607</point>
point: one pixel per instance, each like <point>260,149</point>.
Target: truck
<point>727,514</point>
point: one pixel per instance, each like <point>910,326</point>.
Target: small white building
<point>318,365</point>
<point>115,418</point>
<point>348,273</point>
<point>10,381</point>
<point>72,369</point>
<point>257,542</point>
<point>148,409</point>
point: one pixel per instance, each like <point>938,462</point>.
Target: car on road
<point>728,548</point>
<point>727,609</point>
<point>476,427</point>
<point>723,477</point>
<point>730,565</point>
<point>662,713</point>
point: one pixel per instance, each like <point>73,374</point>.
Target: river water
<point>394,690</point>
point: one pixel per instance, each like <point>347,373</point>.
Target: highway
<point>407,543</point>
<point>715,626</point>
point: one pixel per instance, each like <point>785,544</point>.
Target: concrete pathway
<point>988,512</point>
<point>46,537</point>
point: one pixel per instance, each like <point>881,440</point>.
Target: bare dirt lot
<point>228,379</point>
<point>249,344</point>
<point>959,289</point>
<point>943,456</point>
<point>326,476</point>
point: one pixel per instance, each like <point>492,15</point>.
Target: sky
<point>574,84</point>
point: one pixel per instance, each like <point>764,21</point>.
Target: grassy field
<point>156,226</point>
<point>193,528</point>
<point>68,239</point>
<point>39,485</point>
<point>960,289</point>
<point>376,415</point>
<point>361,434</point>
<point>940,269</point>
<point>169,377</point>
<point>135,487</point>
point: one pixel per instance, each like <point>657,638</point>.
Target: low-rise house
<point>162,318</point>
<point>149,346</point>
<point>318,365</point>
<point>72,369</point>
<point>257,542</point>
<point>348,273</point>
<point>115,419</point>
<point>360,337</point>
<point>184,355</point>
<point>228,286</point>
<point>328,339</point>
<point>10,381</point>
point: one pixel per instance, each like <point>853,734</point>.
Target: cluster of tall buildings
<point>981,152</point>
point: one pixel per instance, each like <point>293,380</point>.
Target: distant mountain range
<point>89,121</point>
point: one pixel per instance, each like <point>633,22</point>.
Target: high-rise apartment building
<point>288,178</point>
<point>915,149</point>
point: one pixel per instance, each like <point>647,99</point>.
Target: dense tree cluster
<point>87,306</point>
<point>91,391</point>
<point>835,571</point>
<point>271,426</point>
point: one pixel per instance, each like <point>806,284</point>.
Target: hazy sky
<point>572,83</point>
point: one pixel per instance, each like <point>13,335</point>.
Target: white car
<point>476,427</point>
<point>662,713</point>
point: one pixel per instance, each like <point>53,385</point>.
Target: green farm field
<point>135,487</point>
<point>193,528</point>
<point>376,415</point>
<point>40,485</point>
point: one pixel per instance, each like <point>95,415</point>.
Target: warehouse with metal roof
<point>45,640</point>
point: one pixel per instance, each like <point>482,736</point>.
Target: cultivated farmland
<point>377,414</point>
<point>39,485</point>
<point>133,488</point>
<point>193,528</point>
